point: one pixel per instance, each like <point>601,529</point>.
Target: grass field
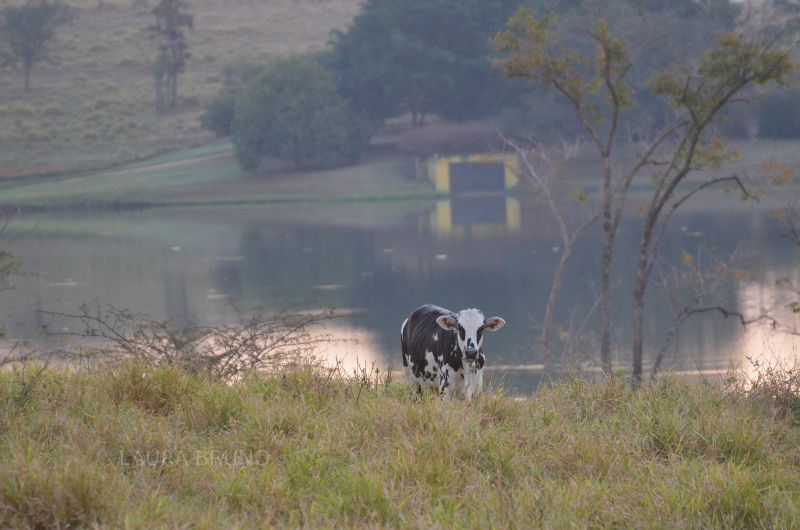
<point>131,446</point>
<point>93,106</point>
<point>209,175</point>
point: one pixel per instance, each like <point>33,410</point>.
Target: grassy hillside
<point>209,174</point>
<point>137,447</point>
<point>94,105</point>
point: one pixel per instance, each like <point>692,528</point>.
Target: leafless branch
<point>736,179</point>
<point>743,320</point>
<point>789,217</point>
<point>17,355</point>
<point>705,282</point>
<point>267,343</point>
<point>539,167</point>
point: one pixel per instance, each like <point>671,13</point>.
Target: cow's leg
<point>446,386</point>
<point>413,384</point>
<point>469,386</point>
<point>473,382</point>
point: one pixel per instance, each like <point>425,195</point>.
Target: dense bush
<point>294,112</point>
<point>218,117</point>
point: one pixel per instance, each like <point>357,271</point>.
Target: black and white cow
<point>443,350</point>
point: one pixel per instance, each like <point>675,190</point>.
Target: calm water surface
<point>378,261</point>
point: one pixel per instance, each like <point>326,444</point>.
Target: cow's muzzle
<point>471,354</point>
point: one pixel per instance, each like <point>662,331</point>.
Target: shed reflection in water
<point>476,216</point>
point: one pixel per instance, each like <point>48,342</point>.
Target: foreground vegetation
<point>134,446</point>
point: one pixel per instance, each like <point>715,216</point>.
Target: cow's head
<point>469,326</point>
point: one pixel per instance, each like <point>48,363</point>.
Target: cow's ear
<point>447,322</point>
<point>493,323</point>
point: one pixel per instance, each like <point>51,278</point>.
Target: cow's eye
<point>480,333</point>
<point>461,332</point>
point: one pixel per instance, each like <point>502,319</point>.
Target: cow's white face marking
<point>469,326</point>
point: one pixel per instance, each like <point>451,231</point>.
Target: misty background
<point>194,159</point>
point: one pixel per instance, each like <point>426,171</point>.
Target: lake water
<point>377,261</point>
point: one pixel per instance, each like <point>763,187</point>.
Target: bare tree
<point>699,94</point>
<point>598,87</point>
<point>533,51</point>
<point>539,166</point>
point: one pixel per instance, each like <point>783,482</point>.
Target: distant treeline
<point>434,59</point>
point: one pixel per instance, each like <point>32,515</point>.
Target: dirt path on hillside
<point>164,165</point>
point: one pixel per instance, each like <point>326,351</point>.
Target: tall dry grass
<point>136,446</point>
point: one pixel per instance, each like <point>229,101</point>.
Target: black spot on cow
<point>418,366</point>
<point>417,339</point>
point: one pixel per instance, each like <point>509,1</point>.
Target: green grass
<point>136,447</point>
<point>210,175</point>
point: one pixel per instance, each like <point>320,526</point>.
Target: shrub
<point>775,384</point>
<point>269,343</point>
<point>218,117</point>
<point>293,112</point>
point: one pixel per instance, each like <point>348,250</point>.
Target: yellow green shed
<point>472,173</point>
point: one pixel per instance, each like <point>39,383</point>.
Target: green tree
<point>218,116</point>
<point>423,58</point>
<point>27,31</point>
<point>172,20</point>
<point>675,28</point>
<point>294,112</point>
<point>599,89</point>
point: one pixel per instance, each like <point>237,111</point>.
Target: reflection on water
<point>495,252</point>
<point>354,349</point>
<point>477,217</point>
<point>761,344</point>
